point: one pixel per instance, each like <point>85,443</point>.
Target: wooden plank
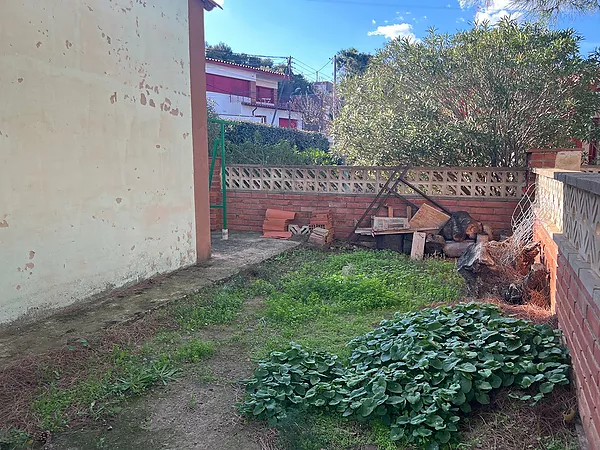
<point>389,223</point>
<point>418,245</point>
<point>407,231</point>
<point>428,217</point>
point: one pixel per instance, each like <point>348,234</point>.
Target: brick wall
<point>246,209</point>
<point>579,319</point>
<point>548,256</point>
<point>550,158</point>
<point>575,285</point>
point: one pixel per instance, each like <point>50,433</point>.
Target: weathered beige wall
<point>96,176</point>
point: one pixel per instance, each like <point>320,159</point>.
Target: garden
<point>342,349</point>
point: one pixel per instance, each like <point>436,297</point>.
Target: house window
<point>265,95</point>
<point>263,119</point>
<point>227,85</point>
<point>288,123</point>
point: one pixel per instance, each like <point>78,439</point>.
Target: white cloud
<point>448,5</point>
<point>396,30</point>
<point>407,13</point>
<point>424,17</point>
<point>460,19</point>
<point>401,18</point>
<point>494,11</point>
<point>385,21</point>
<point>374,21</point>
<point>220,2</point>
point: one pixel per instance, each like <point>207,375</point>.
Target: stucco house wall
<point>96,154</point>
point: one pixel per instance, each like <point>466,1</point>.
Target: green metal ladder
<point>220,142</point>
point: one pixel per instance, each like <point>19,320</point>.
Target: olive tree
<point>478,97</point>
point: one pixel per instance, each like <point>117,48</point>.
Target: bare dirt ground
<point>196,412</point>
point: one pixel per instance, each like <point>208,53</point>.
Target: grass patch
<point>326,303</point>
<point>219,305</point>
<point>358,282</point>
<point>125,373</point>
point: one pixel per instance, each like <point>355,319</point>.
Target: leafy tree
<point>549,8</point>
<point>351,62</point>
<point>479,97</point>
<point>224,52</point>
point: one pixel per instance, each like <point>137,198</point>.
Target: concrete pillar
<point>199,128</point>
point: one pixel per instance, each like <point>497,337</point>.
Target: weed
<point>416,373</point>
<point>13,438</point>
<point>202,310</point>
<point>193,351</point>
<point>302,432</point>
<point>192,402</point>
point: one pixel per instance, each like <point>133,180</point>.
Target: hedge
<point>240,132</point>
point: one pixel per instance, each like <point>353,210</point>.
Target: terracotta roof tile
<point>243,66</point>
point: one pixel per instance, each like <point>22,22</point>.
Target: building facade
<point>244,93</point>
<point>103,147</point>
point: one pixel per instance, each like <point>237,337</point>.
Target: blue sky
<point>312,31</point>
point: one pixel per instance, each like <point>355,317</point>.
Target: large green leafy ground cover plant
<point>417,373</point>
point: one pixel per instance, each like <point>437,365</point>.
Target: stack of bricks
<point>276,223</point>
<point>321,224</point>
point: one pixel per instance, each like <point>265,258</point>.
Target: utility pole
<point>288,74</point>
<point>334,83</point>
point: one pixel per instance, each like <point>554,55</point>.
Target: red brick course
<point>246,210</point>
<point>579,319</point>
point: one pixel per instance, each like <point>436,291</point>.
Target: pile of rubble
<point>517,280</point>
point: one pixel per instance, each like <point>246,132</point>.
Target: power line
<point>312,69</point>
<point>381,4</point>
<point>310,75</point>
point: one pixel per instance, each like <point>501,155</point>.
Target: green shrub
<point>239,132</point>
<point>417,373</point>
<point>284,152</point>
